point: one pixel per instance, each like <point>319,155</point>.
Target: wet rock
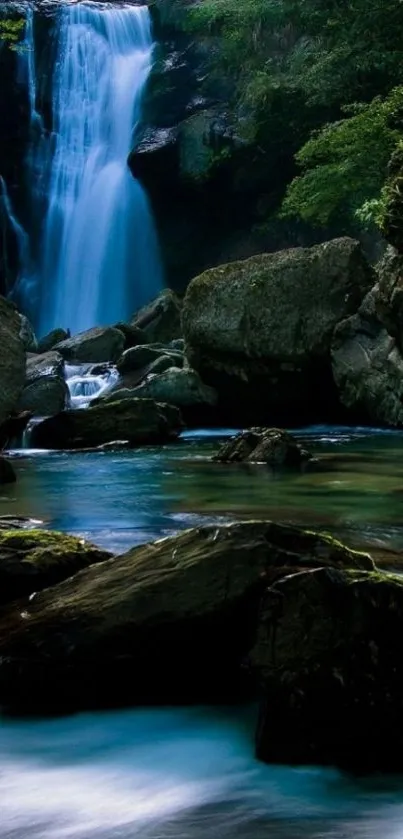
<point>183,388</point>
<point>45,364</point>
<point>172,621</point>
<point>140,357</point>
<point>27,335</point>
<point>260,331</point>
<point>49,341</point>
<point>161,319</point>
<point>9,522</point>
<point>329,654</point>
<point>368,367</point>
<point>13,428</point>
<point>45,392</point>
<point>94,345</point>
<point>263,445</point>
<point>12,359</point>
<point>32,560</point>
<point>45,396</point>
<point>7,474</point>
<point>133,335</point>
<point>141,421</point>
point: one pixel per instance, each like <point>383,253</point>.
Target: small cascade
<point>85,383</point>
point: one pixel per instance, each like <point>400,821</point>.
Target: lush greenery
<point>321,79</point>
<point>11,32</point>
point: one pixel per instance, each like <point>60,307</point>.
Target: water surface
<point>181,773</point>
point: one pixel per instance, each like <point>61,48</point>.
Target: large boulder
<point>329,655</point>
<point>139,421</point>
<point>183,388</point>
<point>45,392</point>
<point>32,560</point>
<point>172,621</point>
<point>160,320</point>
<point>368,365</point>
<point>137,358</point>
<point>263,445</point>
<point>46,364</point>
<point>260,331</point>
<point>12,359</point>
<point>95,345</point>
<point>49,341</point>
<point>44,396</point>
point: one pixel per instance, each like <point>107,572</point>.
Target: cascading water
<point>100,248</point>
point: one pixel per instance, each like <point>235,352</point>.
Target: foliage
<point>12,31</point>
<point>345,164</point>
<point>321,78</point>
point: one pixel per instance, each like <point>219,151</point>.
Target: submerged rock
<point>329,654</point>
<point>172,621</point>
<point>263,445</point>
<point>94,345</point>
<point>161,319</point>
<point>260,331</point>
<point>140,421</point>
<point>49,341</point>
<point>12,359</point>
<point>7,474</point>
<point>32,560</point>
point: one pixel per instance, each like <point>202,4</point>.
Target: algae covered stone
<point>171,621</point>
<point>140,421</point>
<point>260,330</point>
<point>31,560</point>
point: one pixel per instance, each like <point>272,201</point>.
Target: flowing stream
<point>190,773</point>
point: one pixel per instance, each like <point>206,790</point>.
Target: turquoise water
<point>180,773</point>
<point>175,774</point>
<point>123,498</point>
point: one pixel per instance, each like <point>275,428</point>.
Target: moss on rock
<point>31,560</point>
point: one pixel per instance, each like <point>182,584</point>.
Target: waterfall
<point>9,218</point>
<point>99,252</point>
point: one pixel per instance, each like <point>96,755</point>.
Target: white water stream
<point>93,257</point>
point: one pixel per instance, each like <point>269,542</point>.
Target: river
<point>190,773</point>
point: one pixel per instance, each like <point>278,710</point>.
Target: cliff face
<point>211,183</point>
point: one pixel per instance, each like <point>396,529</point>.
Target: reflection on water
<point>190,774</point>
<point>123,498</point>
<point>175,774</point>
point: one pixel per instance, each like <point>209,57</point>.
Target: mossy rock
<point>139,421</point>
<point>32,560</point>
<point>259,331</point>
<point>171,621</point>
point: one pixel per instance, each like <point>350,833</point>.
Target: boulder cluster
<point>217,614</point>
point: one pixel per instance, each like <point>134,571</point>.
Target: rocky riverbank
<point>216,614</point>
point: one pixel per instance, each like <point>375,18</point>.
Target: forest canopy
<point>323,77</point>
